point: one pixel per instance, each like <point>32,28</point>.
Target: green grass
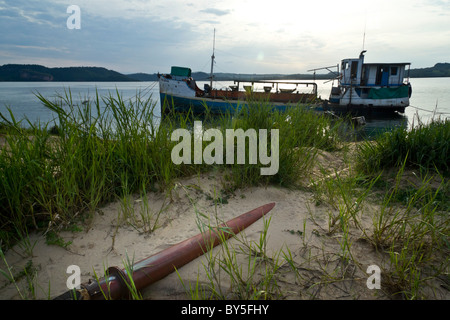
<point>97,157</point>
<point>407,224</point>
<point>412,224</point>
<point>302,133</point>
<point>425,146</point>
<point>245,266</point>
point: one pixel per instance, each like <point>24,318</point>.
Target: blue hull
<point>171,103</point>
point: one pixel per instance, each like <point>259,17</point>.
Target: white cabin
<point>356,72</point>
<point>372,85</point>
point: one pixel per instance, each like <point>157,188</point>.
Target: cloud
<point>217,12</point>
<point>150,36</point>
<point>30,13</point>
<point>40,48</point>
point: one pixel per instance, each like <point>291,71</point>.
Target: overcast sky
<point>252,36</point>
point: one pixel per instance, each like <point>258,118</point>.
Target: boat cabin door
<point>382,78</point>
<point>351,69</point>
<point>385,78</point>
<point>354,70</point>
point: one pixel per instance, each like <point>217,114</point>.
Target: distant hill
<point>34,72</point>
<point>143,77</point>
<point>439,70</point>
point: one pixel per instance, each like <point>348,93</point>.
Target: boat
<point>370,88</point>
<point>179,92</point>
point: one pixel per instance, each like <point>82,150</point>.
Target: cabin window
<point>394,71</point>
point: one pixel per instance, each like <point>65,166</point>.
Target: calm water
<point>431,97</point>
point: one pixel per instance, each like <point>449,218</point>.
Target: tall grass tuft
<point>426,146</point>
<point>415,235</point>
<point>302,133</point>
<point>104,150</point>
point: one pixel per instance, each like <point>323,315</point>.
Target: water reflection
<point>376,126</point>
<point>351,129</point>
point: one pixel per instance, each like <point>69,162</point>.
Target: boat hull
<point>173,103</point>
<point>361,109</point>
<point>201,105</point>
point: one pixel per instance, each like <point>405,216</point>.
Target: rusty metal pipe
<point>161,264</point>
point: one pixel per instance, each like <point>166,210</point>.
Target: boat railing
<point>273,84</point>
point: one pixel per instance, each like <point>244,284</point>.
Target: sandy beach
<point>295,223</point>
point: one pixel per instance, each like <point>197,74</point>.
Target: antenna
<point>212,58</point>
<point>365,25</point>
<point>364,38</point>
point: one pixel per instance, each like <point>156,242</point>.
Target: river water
<point>430,98</point>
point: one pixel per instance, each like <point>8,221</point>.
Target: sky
<point>251,36</point>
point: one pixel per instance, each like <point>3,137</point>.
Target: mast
<point>212,58</point>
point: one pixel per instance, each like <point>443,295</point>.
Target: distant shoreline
<point>38,73</point>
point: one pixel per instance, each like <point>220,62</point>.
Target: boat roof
<point>180,71</point>
<point>391,63</point>
<point>276,81</point>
